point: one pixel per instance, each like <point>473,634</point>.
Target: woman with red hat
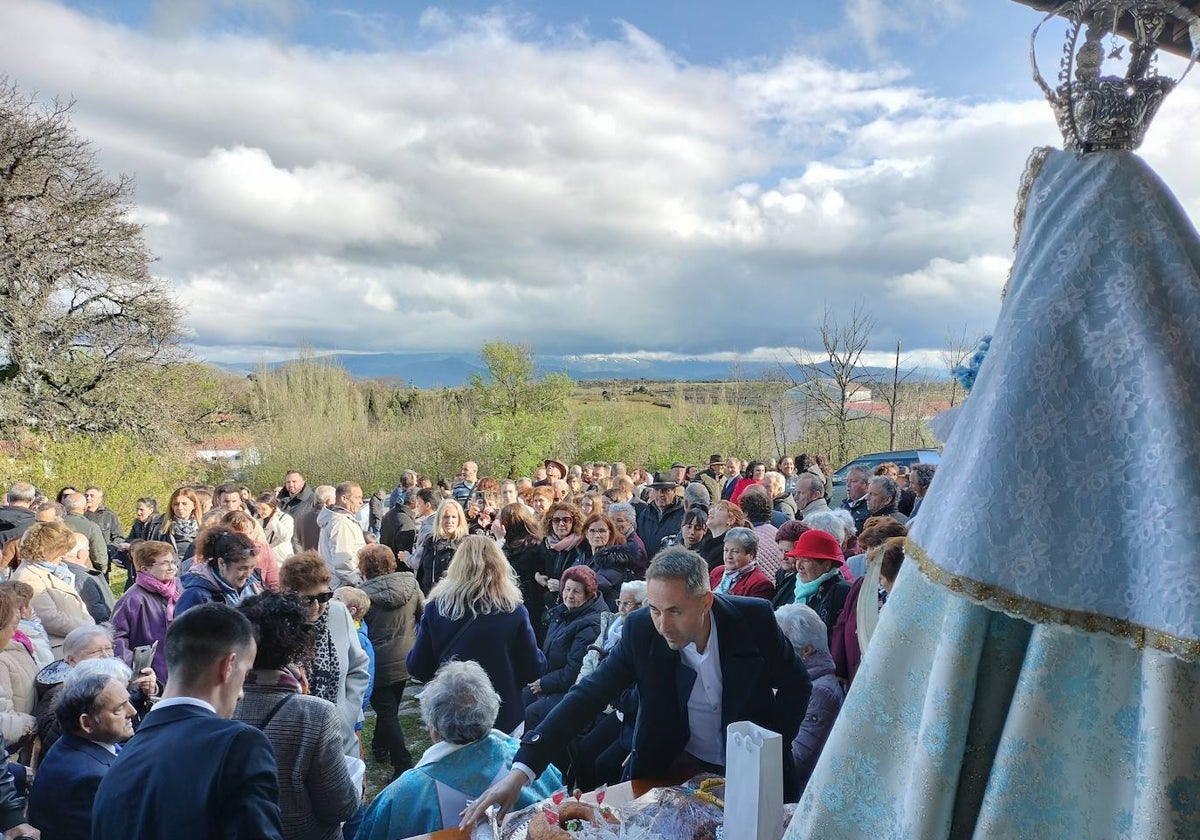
<point>819,581</point>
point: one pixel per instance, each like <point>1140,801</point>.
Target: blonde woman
<point>475,612</point>
<point>449,529</point>
<point>55,601</point>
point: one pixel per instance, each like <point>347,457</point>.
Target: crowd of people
<point>539,614</point>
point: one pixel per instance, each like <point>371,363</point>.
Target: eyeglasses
<point>596,532</point>
<point>168,561</point>
<point>320,598</point>
<point>560,519</point>
<point>633,604</point>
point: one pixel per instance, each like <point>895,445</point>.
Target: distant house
<point>234,451</point>
<point>805,392</point>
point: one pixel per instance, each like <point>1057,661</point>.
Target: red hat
<point>817,545</point>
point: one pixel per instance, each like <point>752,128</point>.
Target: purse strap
<point>274,711</point>
<point>454,639</point>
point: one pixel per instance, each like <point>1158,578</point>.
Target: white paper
<point>753,783</point>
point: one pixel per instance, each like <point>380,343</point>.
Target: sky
<point>670,178</point>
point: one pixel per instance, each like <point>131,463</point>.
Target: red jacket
<point>753,585</point>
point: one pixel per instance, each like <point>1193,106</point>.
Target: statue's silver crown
<point>1096,112</point>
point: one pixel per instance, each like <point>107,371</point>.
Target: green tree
<point>521,418</point>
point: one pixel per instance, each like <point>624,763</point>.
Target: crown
<point>1097,112</point>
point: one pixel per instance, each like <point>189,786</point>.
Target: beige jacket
<point>56,603</point>
<point>18,694</point>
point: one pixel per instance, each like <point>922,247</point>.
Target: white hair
<point>803,627</point>
<point>459,703</point>
<point>105,666</point>
<point>636,588</point>
<point>829,522</point>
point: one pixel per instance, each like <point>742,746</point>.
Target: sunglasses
<point>321,598</point>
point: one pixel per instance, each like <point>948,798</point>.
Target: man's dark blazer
<point>762,681</point>
<point>60,801</point>
<point>190,775</point>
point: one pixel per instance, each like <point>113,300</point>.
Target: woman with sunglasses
<point>561,549</point>
<point>335,665</point>
<point>223,570</point>
<point>143,613</point>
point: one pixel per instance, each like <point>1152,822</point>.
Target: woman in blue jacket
<point>475,612</point>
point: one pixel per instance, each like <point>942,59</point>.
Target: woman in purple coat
<point>142,614</point>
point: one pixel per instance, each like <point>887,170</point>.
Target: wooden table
<point>617,796</point>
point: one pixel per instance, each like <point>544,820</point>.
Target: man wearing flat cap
<point>712,478</point>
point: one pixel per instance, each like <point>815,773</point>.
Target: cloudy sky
<point>680,176</point>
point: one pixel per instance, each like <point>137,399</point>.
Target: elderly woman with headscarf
<point>819,582</point>
<point>458,708</point>
<point>740,574</point>
<point>809,637</point>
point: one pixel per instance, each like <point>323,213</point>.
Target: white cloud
<point>329,201</point>
<point>582,194</point>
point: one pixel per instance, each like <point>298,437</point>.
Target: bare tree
<point>957,350</point>
<point>828,379</point>
<point>85,331</point>
<point>887,388</point>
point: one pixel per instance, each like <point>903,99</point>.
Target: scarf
<point>24,640</point>
<point>233,597</point>
<point>614,633</point>
<point>321,663</point>
<point>184,530</point>
<point>59,570</point>
<point>566,543</point>
<point>804,591</point>
<point>728,580</point>
<point>168,589</point>
<point>283,678</point>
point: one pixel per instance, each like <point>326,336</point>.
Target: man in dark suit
<point>700,662</point>
<point>95,715</point>
<point>190,772</point>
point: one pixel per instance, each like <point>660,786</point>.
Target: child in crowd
<point>357,602</point>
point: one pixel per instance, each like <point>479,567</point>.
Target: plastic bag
<point>678,812</point>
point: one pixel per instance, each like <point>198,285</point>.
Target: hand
<point>539,578</point>
<point>147,682</point>
<point>26,830</point>
<point>553,585</point>
<point>535,686</point>
<point>504,794</point>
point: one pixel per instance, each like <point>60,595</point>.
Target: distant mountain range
<point>452,370</point>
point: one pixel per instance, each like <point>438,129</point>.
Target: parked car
<point>901,458</point>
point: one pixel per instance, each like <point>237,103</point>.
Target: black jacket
<point>762,681</point>
<point>653,524</point>
<point>613,565</point>
<point>567,640</point>
<point>14,521</point>
<point>527,559</point>
<point>398,529</point>
<point>554,563</point>
<point>295,507</point>
<point>828,601</point>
